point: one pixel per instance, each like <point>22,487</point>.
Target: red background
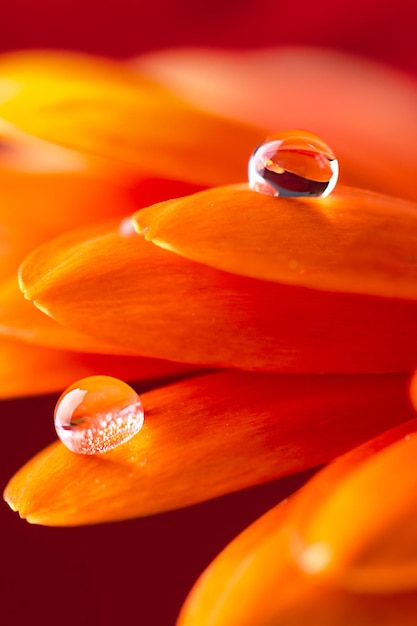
<point>378,28</point>
<point>140,571</point>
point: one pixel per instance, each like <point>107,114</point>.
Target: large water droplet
<point>97,414</point>
<point>293,164</point>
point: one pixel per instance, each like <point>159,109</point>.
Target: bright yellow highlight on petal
<point>105,109</point>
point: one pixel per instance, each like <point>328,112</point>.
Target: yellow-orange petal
<point>135,295</point>
<point>25,153</point>
<point>352,241</point>
<point>231,430</point>
<point>104,108</point>
<point>263,569</point>
<point>27,370</point>
<point>364,110</point>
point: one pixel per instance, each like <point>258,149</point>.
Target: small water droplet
<point>126,229</point>
<point>293,164</point>
<point>96,414</point>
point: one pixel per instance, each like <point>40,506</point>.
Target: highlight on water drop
<point>294,163</point>
<point>96,414</point>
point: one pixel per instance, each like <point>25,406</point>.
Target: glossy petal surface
<point>20,319</point>
<point>300,585</point>
<point>141,298</point>
<point>353,241</point>
<point>205,437</point>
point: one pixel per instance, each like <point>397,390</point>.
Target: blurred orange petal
<point>352,241</point>
<point>104,108</point>
<point>36,206</point>
<point>364,110</point>
<point>234,590</point>
<point>135,295</point>
<point>370,541</point>
<point>30,370</point>
<point>231,430</point>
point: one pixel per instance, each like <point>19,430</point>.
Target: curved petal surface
<point>20,319</point>
<point>230,430</point>
<point>143,299</point>
<point>352,241</point>
<point>301,586</point>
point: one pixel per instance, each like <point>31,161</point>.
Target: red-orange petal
<point>263,577</point>
<point>352,241</point>
<point>130,293</point>
<point>104,108</point>
<point>27,369</point>
<point>355,538</point>
<point>20,319</point>
<point>364,110</point>
<point>231,430</point>
<point>38,205</point>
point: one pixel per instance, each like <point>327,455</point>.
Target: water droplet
<point>293,164</point>
<point>97,414</point>
<point>126,229</point>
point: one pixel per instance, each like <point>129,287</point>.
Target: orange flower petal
<point>263,578</point>
<point>352,241</point>
<point>226,440</point>
<point>104,108</point>
<point>360,540</point>
<point>36,206</point>
<point>28,369</point>
<point>53,201</point>
<point>20,319</point>
<point>127,292</point>
<point>363,110</point>
<point>24,153</point>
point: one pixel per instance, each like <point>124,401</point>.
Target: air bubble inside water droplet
<point>293,164</point>
<point>97,414</point>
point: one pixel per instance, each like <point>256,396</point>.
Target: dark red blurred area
<point>130,572</point>
<point>380,29</point>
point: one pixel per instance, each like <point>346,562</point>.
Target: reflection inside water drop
<point>293,164</point>
<point>97,414</point>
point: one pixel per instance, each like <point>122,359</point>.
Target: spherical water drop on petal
<point>97,414</point>
<point>293,164</point>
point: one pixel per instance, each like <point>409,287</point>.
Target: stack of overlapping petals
<point>290,324</point>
